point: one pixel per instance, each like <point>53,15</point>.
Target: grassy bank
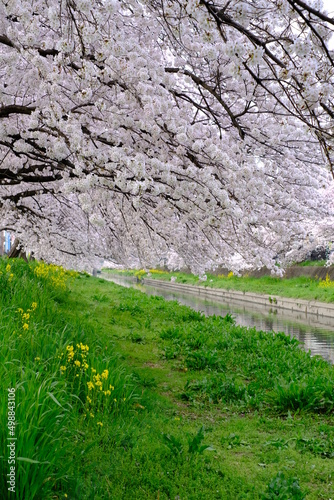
<point>302,287</point>
<point>189,407</point>
<point>311,263</point>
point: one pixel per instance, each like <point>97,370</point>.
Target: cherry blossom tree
<point>134,130</point>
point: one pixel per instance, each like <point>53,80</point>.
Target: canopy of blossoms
<point>139,130</point>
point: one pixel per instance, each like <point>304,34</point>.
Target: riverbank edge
<point>313,307</point>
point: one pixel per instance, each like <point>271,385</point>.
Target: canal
<point>315,333</point>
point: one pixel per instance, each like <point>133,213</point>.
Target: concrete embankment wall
<point>296,305</point>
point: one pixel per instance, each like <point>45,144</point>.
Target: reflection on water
<point>317,334</point>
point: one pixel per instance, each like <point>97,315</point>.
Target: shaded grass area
<point>204,409</point>
<point>300,287</point>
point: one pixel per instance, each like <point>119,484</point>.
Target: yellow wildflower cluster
<point>100,393</point>
<point>139,274</point>
<point>76,359</point>
<point>97,382</point>
<point>26,316</point>
<point>57,276</point>
<point>157,271</point>
<point>9,274</point>
<point>95,387</point>
<point>230,275</point>
<point>326,283</point>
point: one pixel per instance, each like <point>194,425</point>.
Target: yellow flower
<point>107,393</point>
<point>77,363</point>
<point>69,347</point>
<point>8,268</point>
<point>70,355</point>
<point>105,374</point>
<point>111,387</point>
<point>25,316</point>
<point>92,415</point>
<point>115,400</point>
<point>63,368</point>
<point>25,326</point>
<point>90,385</point>
<point>37,359</point>
<point>34,305</point>
<point>99,423</point>
<point>20,310</point>
<point>88,399</point>
<point>11,276</point>
<point>93,370</point>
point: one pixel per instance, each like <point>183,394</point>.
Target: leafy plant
<point>233,441</point>
<point>283,489</point>
<point>323,447</point>
<point>278,443</point>
<point>171,352</point>
<point>195,446</point>
<point>174,444</point>
<point>203,359</point>
<point>136,338</point>
<point>99,297</point>
<point>195,443</point>
<point>308,394</point>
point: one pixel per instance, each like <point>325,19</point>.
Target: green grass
<point>211,409</point>
<point>302,287</point>
<point>313,263</point>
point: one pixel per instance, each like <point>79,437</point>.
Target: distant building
<point>5,242</point>
<point>2,242</point>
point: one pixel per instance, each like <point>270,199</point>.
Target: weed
<point>323,446</point>
<point>195,443</point>
<point>174,444</point>
<point>100,298</point>
<point>145,381</point>
<point>195,446</point>
<point>308,394</point>
<point>170,333</point>
<point>136,338</point>
<point>278,443</point>
<point>171,352</point>
<point>233,441</point>
<point>283,489</point>
<point>203,359</point>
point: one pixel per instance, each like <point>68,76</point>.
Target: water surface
<point>316,333</point>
